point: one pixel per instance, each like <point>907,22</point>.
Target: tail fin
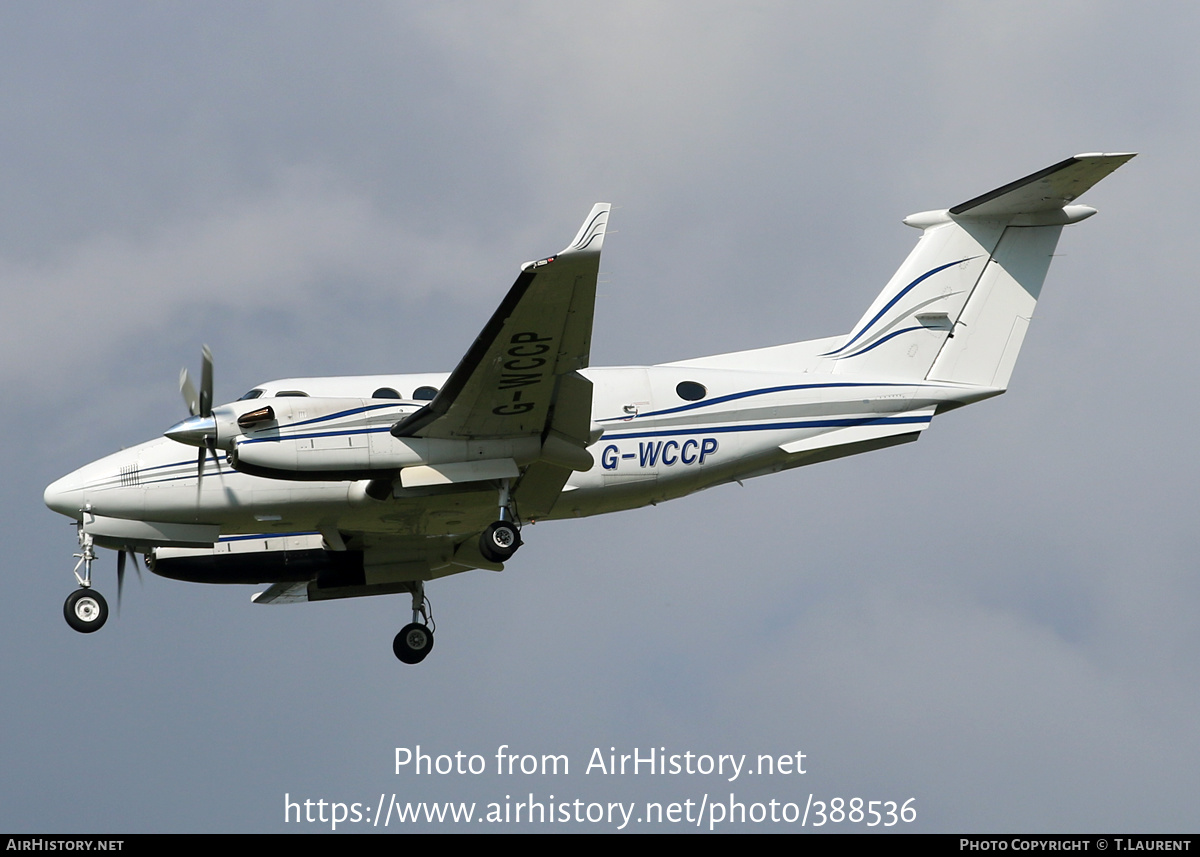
<point>958,308</point>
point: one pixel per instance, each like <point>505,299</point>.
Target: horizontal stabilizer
<point>1045,190</point>
<point>908,423</point>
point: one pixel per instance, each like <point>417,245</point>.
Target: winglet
<point>589,239</point>
<point>591,234</point>
<point>502,387</point>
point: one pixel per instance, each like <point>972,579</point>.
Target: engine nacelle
<point>310,438</point>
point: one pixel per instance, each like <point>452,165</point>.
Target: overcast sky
<point>999,621</point>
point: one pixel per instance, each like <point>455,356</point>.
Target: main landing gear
<point>85,610</point>
<point>497,543</point>
<point>415,639</point>
<point>500,540</point>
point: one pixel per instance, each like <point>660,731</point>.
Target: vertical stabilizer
<point>989,331</point>
<point>903,330</point>
<point>958,308</point>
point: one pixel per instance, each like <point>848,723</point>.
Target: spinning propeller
<point>121,554</point>
<point>200,429</point>
<point>199,406</point>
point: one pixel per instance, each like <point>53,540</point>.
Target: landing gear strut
<point>501,539</point>
<point>85,609</point>
<point>415,639</point>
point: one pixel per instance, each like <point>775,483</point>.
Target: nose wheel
<point>86,610</point>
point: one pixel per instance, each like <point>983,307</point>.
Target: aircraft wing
<point>283,593</point>
<point>519,379</point>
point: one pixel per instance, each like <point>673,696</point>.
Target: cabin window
<point>385,393</point>
<point>425,394</point>
<point>690,391</point>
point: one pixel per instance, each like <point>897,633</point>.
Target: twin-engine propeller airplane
<point>338,487</point>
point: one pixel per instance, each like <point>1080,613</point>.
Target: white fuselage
<point>744,416</point>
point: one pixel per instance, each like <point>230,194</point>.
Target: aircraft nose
<point>65,495</point>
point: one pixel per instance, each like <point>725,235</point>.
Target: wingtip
<point>590,237</point>
<point>1114,160</point>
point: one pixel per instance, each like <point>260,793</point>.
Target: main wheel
<point>86,610</point>
<point>499,541</point>
<point>413,643</point>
